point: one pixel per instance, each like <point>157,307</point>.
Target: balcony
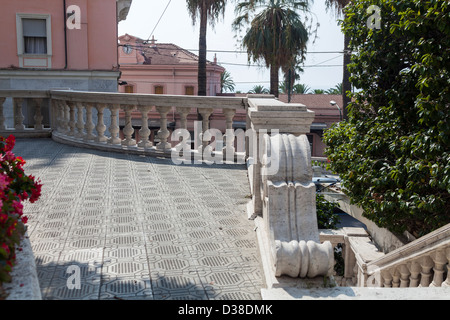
<point>218,214</point>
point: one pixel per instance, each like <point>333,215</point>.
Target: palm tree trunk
<point>202,51</point>
<point>274,78</point>
<point>346,85</point>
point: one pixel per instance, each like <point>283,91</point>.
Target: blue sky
<point>175,26</point>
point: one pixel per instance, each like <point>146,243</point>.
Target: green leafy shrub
<point>326,216</point>
<point>15,187</point>
<point>392,154</point>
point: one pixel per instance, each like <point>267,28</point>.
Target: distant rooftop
<point>155,53</point>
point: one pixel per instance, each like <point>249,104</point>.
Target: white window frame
<point>27,60</point>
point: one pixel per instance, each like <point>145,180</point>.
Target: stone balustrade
<point>424,262</point>
<point>279,167</point>
<point>36,116</point>
<point>92,119</point>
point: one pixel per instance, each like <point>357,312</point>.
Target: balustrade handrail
<point>159,100</point>
<point>438,239</point>
<point>24,94</point>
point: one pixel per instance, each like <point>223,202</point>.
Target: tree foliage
<point>277,34</point>
<point>208,11</point>
<point>393,152</point>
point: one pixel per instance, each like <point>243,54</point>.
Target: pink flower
<point>4,181</point>
<point>9,156</point>
<point>18,207</point>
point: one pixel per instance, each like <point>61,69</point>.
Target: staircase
<point>418,270</point>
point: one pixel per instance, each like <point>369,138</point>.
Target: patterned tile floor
<point>120,226</point>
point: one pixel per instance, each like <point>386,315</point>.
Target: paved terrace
<point>139,227</point>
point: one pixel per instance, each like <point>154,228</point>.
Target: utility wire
<point>159,20</point>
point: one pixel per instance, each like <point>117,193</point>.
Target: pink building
<point>50,44</point>
<point>162,68</point>
<point>60,44</point>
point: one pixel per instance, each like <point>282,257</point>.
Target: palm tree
<point>259,89</point>
<point>336,90</point>
<point>226,82</point>
<point>276,34</point>
<point>207,10</point>
<point>301,88</point>
<point>318,91</point>
<point>338,7</point>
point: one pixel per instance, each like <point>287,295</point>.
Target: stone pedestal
<point>283,192</point>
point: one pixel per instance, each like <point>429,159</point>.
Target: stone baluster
<point>229,150</point>
<point>66,117</point>
<point>206,113</point>
<point>183,112</point>
<point>2,117</point>
<point>440,261</point>
<point>404,276</point>
<point>101,128</point>
<point>38,114</point>
<point>89,125</point>
<point>18,115</point>
<point>387,278</point>
<point>63,122</point>
<point>128,129</point>
<point>163,133</point>
<point>72,122</point>
<point>80,125</point>
<point>415,272</point>
<point>446,283</point>
<point>114,128</point>
<point>144,133</point>
<point>396,279</point>
<point>57,109</point>
<point>426,264</point>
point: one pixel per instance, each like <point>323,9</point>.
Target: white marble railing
<point>424,262</point>
<point>14,122</point>
<point>92,119</point>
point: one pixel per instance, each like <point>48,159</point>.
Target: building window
<point>129,89</point>
<point>34,40</point>
<point>189,91</point>
<point>159,90</point>
<point>35,36</point>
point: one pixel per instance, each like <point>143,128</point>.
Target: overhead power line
<point>159,20</point>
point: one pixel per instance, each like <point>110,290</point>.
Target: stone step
<point>356,293</point>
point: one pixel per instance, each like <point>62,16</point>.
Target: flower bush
<point>15,187</point>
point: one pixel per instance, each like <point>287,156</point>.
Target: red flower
<point>10,143</point>
<point>18,207</point>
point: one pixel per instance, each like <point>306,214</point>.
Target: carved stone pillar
<point>446,283</point>
<point>2,117</point>
<point>425,275</point>
<point>206,113</point>
<point>128,129</point>
<point>114,128</point>
<point>163,133</point>
<point>144,133</point>
<point>18,114</point>
<point>38,114</point>
<point>80,121</point>
<point>183,112</point>
<point>71,106</point>
<point>439,263</point>
<point>101,128</point>
<point>89,125</point>
<point>229,150</point>
<point>404,276</point>
<point>415,272</point>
